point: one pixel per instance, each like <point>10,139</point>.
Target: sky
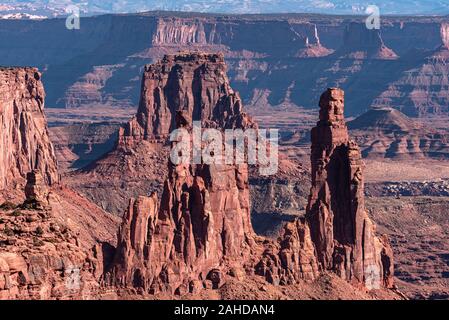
<point>424,7</point>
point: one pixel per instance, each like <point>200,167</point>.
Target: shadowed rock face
<point>24,142</point>
<point>341,230</point>
<point>360,42</point>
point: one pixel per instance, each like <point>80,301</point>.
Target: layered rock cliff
<point>46,241</point>
<point>343,234</point>
<point>184,32</point>
<point>363,43</point>
<point>98,64</point>
<point>387,133</point>
<point>24,142</point>
<point>422,89</point>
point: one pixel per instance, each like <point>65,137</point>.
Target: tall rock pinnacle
<point>202,225</point>
<point>24,144</point>
<point>445,34</point>
<point>194,82</point>
<point>341,230</point>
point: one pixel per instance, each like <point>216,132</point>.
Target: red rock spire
<point>201,227</point>
<point>341,230</point>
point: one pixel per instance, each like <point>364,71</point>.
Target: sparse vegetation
<point>8,231</point>
<point>37,242</point>
<point>31,204</point>
<point>16,213</point>
<point>7,205</point>
<point>39,231</point>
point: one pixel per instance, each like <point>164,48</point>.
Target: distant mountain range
<point>17,9</point>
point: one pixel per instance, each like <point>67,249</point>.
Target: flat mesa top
<point>188,57</point>
<point>14,69</point>
<point>192,56</point>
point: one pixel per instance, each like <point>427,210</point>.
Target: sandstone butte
<point>200,232</point>
<point>199,235</point>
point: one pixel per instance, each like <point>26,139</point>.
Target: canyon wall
<point>286,57</point>
<point>51,238</point>
<point>25,144</point>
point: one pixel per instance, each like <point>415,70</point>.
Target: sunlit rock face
<point>24,142</point>
<point>341,230</point>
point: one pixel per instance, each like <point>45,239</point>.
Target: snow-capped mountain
<point>51,8</point>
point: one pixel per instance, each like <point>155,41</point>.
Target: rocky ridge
<point>384,132</point>
<point>52,240</point>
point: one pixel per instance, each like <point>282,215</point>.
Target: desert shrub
<point>39,231</point>
<point>8,231</point>
<point>37,242</point>
<point>16,213</point>
<point>7,205</point>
